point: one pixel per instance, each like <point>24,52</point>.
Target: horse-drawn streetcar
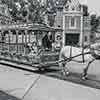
<point>28,43</point>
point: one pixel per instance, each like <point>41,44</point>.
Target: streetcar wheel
<point>84,78</point>
<point>41,69</point>
<point>67,73</point>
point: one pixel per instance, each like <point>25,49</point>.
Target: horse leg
<point>62,64</point>
<point>84,74</point>
<point>64,69</point>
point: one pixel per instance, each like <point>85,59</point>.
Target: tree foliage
<point>95,22</point>
<point>30,10</point>
<point>26,10</point>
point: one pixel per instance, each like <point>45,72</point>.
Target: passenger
<point>57,44</point>
<point>33,49</point>
<point>29,45</point>
<point>47,41</point>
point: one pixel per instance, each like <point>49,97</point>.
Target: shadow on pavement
<point>5,96</point>
<point>73,77</point>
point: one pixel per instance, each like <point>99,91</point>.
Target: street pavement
<point>76,69</point>
<point>48,88</point>
<point>50,84</point>
<point>15,82</point>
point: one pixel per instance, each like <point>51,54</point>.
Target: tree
<point>26,10</point>
<point>30,10</point>
<point>95,22</point>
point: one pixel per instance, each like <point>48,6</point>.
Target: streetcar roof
<point>29,26</point>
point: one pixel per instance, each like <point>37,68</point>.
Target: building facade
<point>73,18</point>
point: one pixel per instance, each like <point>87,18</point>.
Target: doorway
<point>71,39</point>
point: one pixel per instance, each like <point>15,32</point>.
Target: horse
<point>75,55</point>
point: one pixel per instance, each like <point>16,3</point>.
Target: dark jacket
<point>46,42</point>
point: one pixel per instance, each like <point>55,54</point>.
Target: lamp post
<point>82,34</point>
<point>81,31</point>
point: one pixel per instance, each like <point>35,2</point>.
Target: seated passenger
<point>33,49</point>
<point>57,44</point>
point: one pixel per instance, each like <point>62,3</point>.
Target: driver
<point>47,41</point>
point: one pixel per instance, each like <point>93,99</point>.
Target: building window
<point>67,8</point>
<point>72,8</point>
<point>85,38</point>
<point>91,36</point>
<point>72,22</point>
<point>59,26</point>
<point>3,10</point>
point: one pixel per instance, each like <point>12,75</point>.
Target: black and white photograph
<point>49,50</point>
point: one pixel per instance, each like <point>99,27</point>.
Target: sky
<point>94,6</point>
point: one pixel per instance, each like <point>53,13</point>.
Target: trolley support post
<point>22,41</point>
<point>9,32</point>
<point>25,50</point>
<point>2,32</point>
<point>17,41</point>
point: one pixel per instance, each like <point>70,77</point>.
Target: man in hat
<point>47,41</point>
